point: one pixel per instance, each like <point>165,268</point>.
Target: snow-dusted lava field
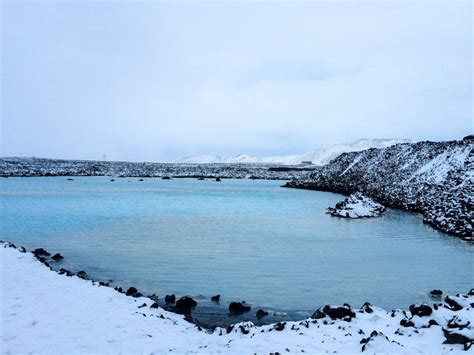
<point>45,312</point>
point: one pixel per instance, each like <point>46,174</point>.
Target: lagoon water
<point>244,239</point>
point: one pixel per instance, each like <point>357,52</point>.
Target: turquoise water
<point>244,239</point>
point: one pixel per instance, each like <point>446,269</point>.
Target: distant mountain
<point>316,157</point>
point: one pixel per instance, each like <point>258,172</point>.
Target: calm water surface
<point>247,240</point>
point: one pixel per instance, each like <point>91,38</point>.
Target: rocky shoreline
<point>432,178</point>
<point>445,325</point>
<point>38,167</point>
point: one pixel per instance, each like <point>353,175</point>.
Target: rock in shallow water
<point>357,205</point>
<point>238,307</point>
<point>186,303</point>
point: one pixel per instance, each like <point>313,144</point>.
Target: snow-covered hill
<point>317,157</point>
<point>435,178</point>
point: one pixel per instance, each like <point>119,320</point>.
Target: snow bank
<point>357,206</point>
<point>42,311</point>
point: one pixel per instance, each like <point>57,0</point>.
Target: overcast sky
<point>156,81</point>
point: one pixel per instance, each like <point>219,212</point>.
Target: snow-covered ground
<point>317,157</point>
<point>357,206</point>
<point>44,312</point>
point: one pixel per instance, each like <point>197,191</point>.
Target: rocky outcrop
<point>434,178</point>
<point>357,206</point>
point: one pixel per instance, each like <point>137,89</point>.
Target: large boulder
<point>186,302</point>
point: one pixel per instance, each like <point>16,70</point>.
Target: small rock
<point>453,304</point>
<point>57,257</point>
<point>261,313</point>
<point>132,291</point>
<point>238,307</point>
<point>40,252</point>
<point>216,298</point>
<point>170,298</point>
<point>186,303</point>
<point>436,293</point>
<point>421,311</point>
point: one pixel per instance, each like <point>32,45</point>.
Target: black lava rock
<point>65,271</point>
<point>456,338</point>
<point>318,314</point>
<point>421,311</point>
<point>170,298</point>
<point>218,179</point>
<point>338,312</point>
<point>41,253</point>
<point>261,313</point>
<point>407,323</point>
<point>155,305</point>
<point>238,307</point>
<point>216,298</point>
<point>132,291</point>
<point>186,303</point>
<point>81,274</point>
<point>453,304</point>
<point>279,326</point>
<point>367,307</point>
<point>436,293</point>
<point>166,178</point>
<point>57,257</point>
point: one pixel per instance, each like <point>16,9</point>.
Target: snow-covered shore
<point>42,311</point>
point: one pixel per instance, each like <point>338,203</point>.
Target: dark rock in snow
<point>456,338</point>
<point>338,312</point>
<point>238,307</point>
<point>186,302</point>
<point>421,311</point>
<point>170,298</point>
<point>279,326</point>
<point>40,252</point>
<point>367,307</point>
<point>218,179</point>
<point>453,304</point>
<point>407,323</point>
<point>65,271</point>
<point>155,305</point>
<point>132,291</point>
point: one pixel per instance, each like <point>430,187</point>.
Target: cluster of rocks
<point>434,178</point>
<point>28,167</point>
<point>183,305</point>
<point>356,205</point>
<point>453,317</point>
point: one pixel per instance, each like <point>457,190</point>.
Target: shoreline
<point>325,331</point>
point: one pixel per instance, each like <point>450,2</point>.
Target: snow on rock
<point>357,206</point>
<point>45,312</point>
<point>434,178</point>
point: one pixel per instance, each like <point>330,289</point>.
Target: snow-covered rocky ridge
<point>43,311</point>
<point>316,157</point>
<point>25,167</point>
<point>434,178</point>
<point>357,206</point>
